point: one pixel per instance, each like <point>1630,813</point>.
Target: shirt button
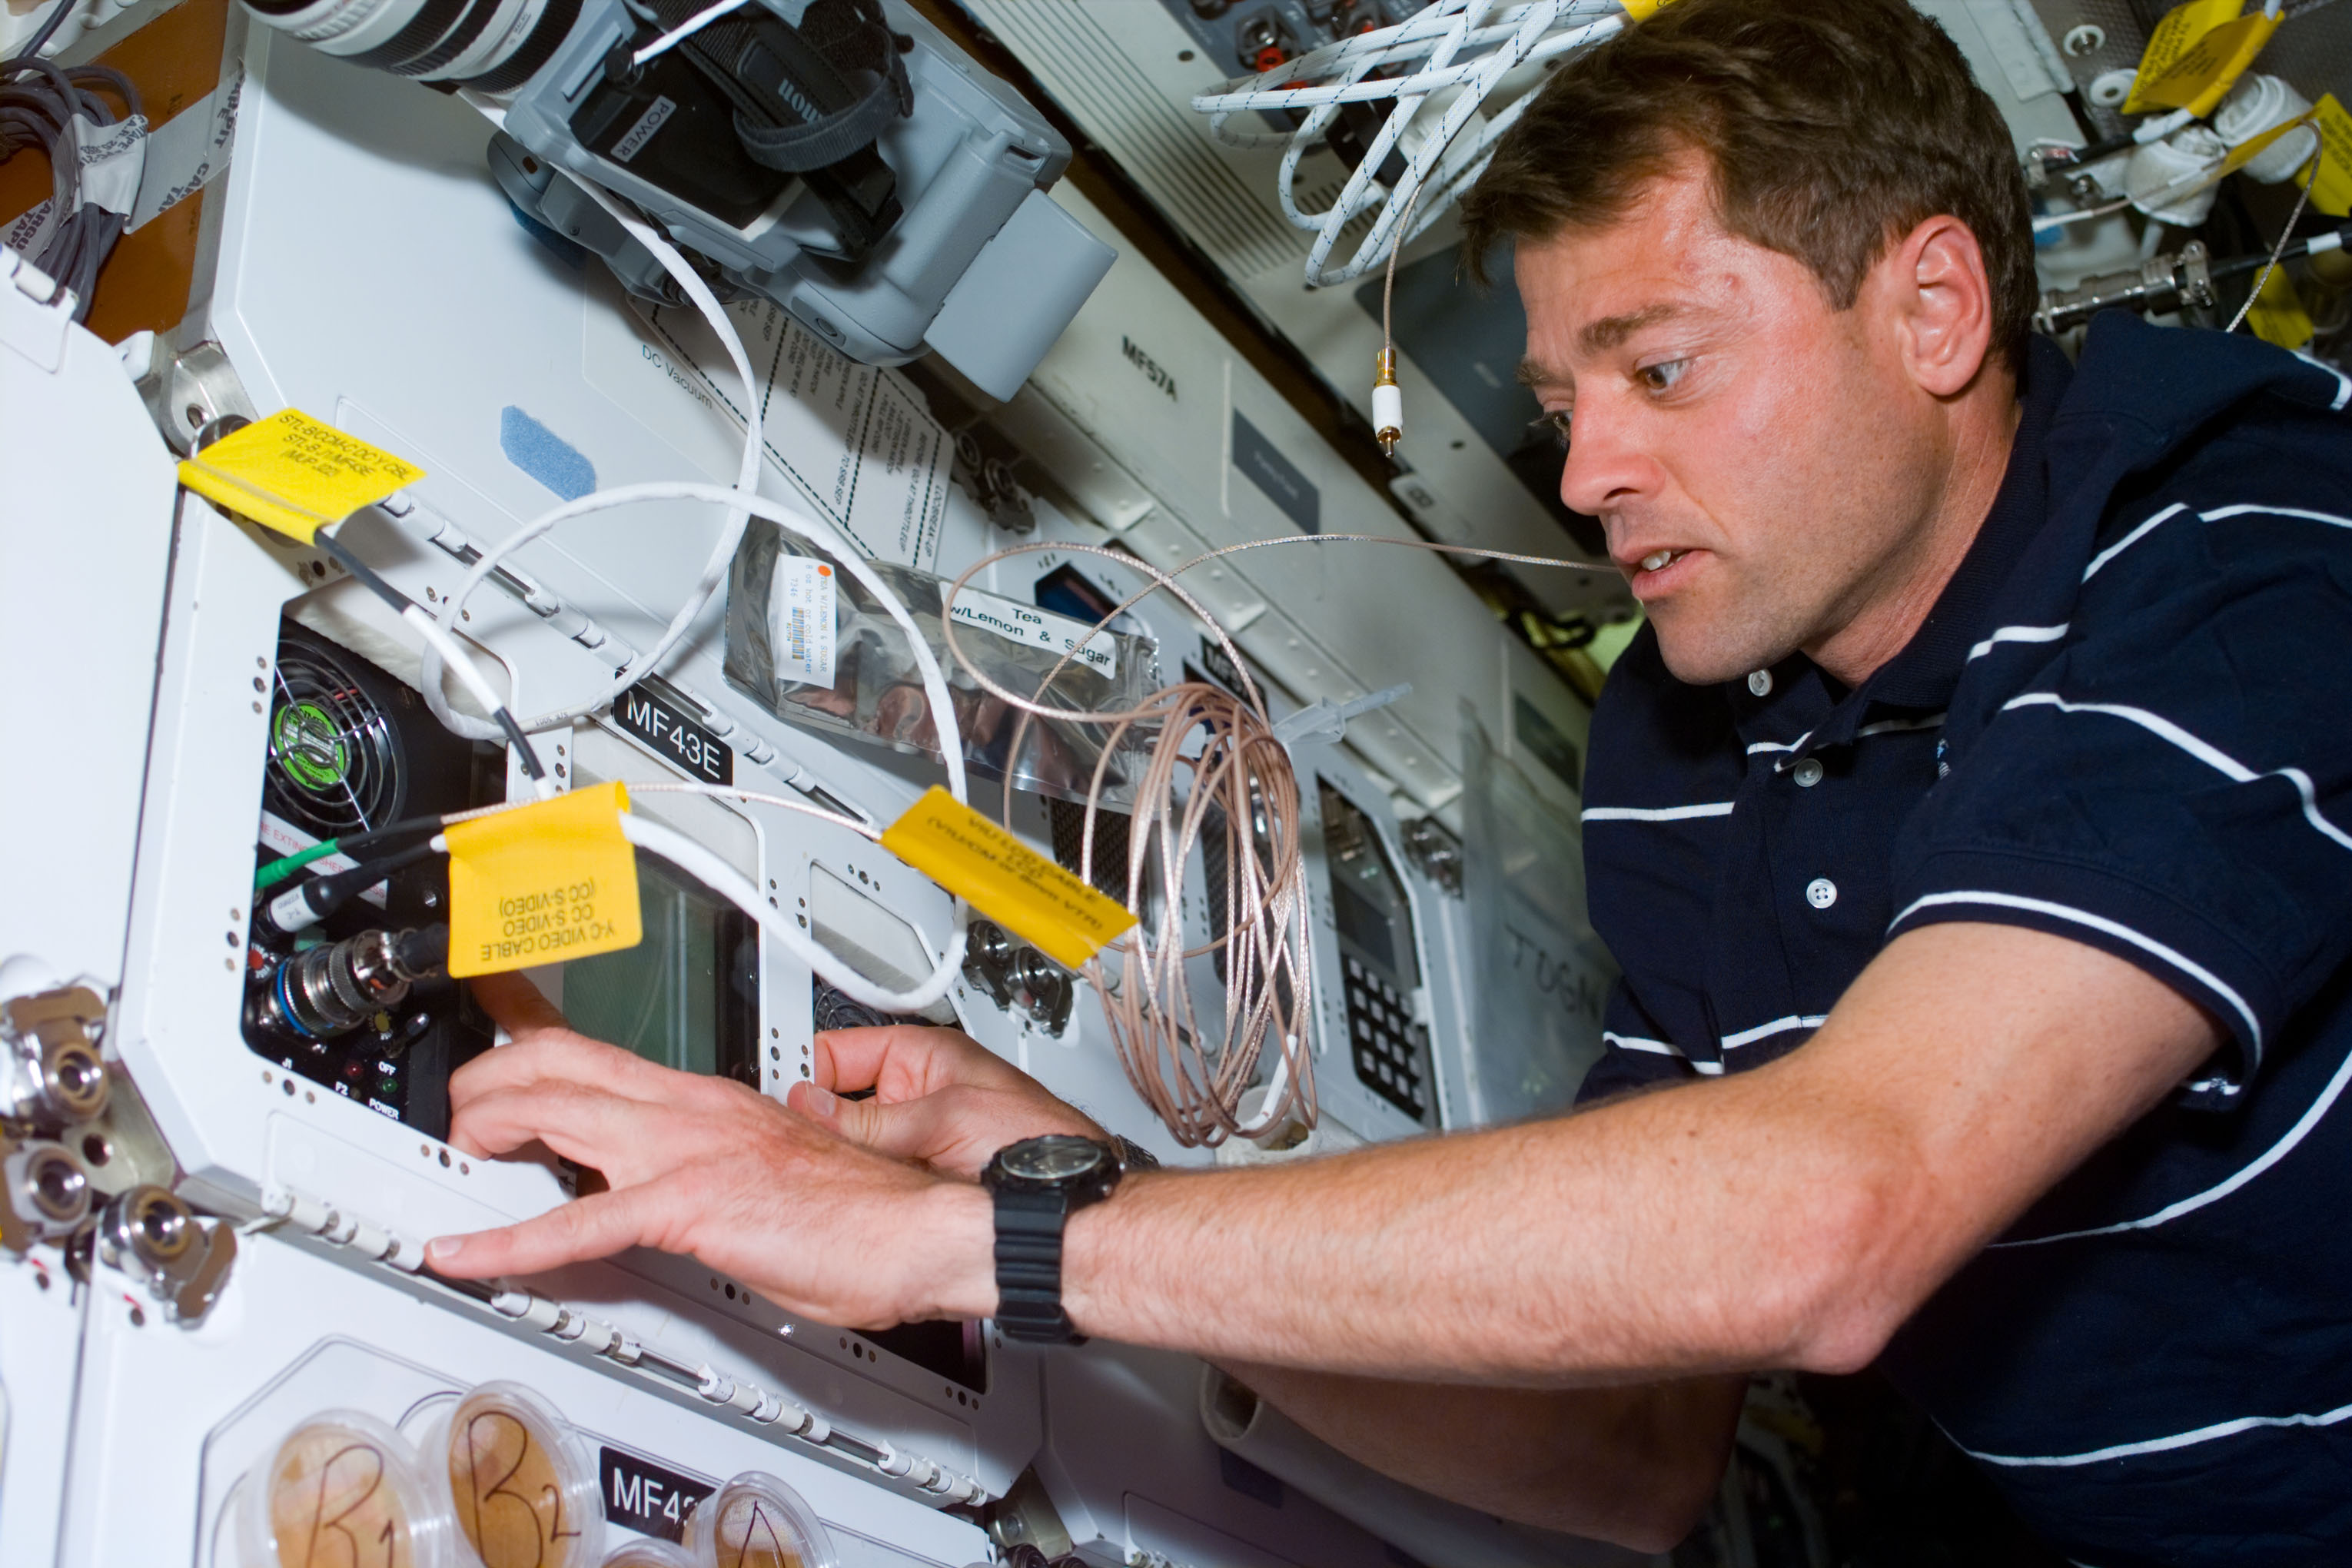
<point>1820,892</point>
<point>1807,773</point>
<point>1760,682</point>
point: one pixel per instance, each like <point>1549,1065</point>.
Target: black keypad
<point>1389,1048</point>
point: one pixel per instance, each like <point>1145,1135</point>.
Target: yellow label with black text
<point>544,883</point>
<point>2278,316</point>
<point>1004,880</point>
<point>2197,75</point>
<point>295,475</point>
<point>1643,10</point>
<point>2331,183</point>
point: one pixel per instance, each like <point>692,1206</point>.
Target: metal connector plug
<point>1388,405</point>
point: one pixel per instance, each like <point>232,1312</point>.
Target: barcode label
<point>801,619</point>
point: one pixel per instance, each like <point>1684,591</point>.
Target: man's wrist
<point>959,1232</point>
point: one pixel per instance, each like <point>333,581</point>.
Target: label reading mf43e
<point>678,738</point>
<point>544,883</point>
<point>1004,880</point>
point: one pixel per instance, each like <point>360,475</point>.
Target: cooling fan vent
<point>335,763</point>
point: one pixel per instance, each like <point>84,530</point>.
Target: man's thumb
<point>898,1130</point>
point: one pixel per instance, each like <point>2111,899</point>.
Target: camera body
<point>842,158</point>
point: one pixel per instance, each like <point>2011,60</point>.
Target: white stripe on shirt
<point>2343,382</point>
<point>1657,1049</point>
<point>1777,1026</point>
<point>2210,755</point>
<point>2216,515</point>
<point>2179,960</point>
<point>2016,633</point>
<point>2164,1445</point>
<point>2129,539</point>
<point>1655,813</point>
<point>2213,1195</point>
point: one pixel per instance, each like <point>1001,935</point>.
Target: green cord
<point>278,871</point>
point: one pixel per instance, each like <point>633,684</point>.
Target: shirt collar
<point>1920,677</point>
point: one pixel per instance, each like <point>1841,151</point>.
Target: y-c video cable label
<point>544,883</point>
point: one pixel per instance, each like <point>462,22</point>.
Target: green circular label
<point>311,745</point>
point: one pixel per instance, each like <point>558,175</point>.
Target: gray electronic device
<point>840,157</point>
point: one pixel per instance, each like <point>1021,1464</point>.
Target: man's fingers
<point>903,1061</point>
<point>587,1126</point>
<point>589,1227</point>
<point>517,1004</point>
<point>565,1057</point>
<point>913,1130</point>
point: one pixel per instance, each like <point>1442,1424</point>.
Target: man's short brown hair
<point>1833,128</point>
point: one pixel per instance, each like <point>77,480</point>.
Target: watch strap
<point>1029,1267</point>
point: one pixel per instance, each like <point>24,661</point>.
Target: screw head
<point>2086,39</point>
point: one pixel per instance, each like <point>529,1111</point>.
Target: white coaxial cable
<point>722,550</point>
<point>1458,47</point>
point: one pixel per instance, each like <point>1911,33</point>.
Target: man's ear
<point>1942,300</point>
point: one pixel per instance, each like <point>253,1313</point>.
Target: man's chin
<point>1696,658</point>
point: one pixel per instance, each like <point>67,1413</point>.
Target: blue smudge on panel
<point>544,455</point>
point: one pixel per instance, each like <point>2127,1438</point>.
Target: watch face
<point>1057,1158</point>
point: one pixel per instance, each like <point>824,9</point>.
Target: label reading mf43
<point>678,738</point>
<point>641,1496</point>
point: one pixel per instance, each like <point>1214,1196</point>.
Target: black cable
<point>313,902</point>
<point>41,36</point>
<point>39,100</point>
<point>401,602</point>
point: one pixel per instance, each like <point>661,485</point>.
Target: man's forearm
<point>1791,1215</point>
<point>1633,1465</point>
<point>1568,1252</point>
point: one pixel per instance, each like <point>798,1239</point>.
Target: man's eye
<point>1556,421</point>
<point>1662,377</point>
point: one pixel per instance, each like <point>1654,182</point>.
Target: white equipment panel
<point>369,271</point>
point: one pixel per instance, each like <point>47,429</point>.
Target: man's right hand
<point>939,1097</point>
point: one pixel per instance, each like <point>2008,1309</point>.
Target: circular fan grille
<point>334,764</point>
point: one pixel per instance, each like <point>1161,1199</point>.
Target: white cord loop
<point>1453,57</point>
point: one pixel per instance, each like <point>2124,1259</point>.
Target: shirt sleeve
<point>2174,787</point>
<point>1635,1053</point>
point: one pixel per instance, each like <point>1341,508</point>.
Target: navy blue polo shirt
<point>2127,721</point>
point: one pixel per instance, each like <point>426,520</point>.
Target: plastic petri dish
<point>757,1521</point>
<point>520,1482</point>
<point>644,1551</point>
<point>341,1489</point>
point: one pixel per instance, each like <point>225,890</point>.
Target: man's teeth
<point>1658,558</point>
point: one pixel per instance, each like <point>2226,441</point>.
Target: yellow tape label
<point>1643,10</point>
<point>2201,73</point>
<point>295,474</point>
<point>2331,183</point>
<point>544,883</point>
<point>1004,880</point>
<point>2278,316</point>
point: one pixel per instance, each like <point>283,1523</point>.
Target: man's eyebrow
<point>1611,330</point>
<point>1596,337</point>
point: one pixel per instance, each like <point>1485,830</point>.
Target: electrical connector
<point>1388,403</point>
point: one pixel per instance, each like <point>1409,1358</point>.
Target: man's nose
<point>1606,465</point>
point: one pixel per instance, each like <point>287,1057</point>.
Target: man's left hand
<point>703,1166</point>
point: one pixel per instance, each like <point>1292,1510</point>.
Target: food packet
<point>811,645</point>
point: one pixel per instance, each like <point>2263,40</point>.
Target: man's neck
<point>1984,431</point>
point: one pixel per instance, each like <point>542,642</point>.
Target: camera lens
<point>493,46</point>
